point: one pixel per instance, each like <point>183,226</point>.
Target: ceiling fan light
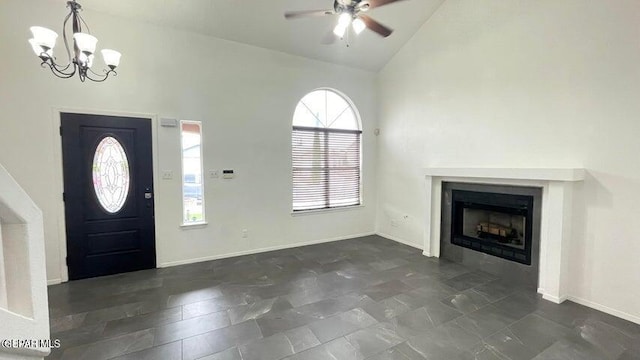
<point>340,30</point>
<point>344,19</point>
<point>44,37</point>
<point>111,58</point>
<point>85,42</point>
<point>39,50</point>
<point>358,25</point>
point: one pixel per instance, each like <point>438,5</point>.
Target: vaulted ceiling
<point>261,23</point>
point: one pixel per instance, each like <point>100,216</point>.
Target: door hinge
<point>64,197</point>
<point>66,260</point>
<point>60,130</point>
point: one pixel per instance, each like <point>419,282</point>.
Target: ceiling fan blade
<point>376,26</point>
<point>307,13</point>
<point>378,3</point>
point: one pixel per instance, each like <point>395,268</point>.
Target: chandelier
<point>84,48</point>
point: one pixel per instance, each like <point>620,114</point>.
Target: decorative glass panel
<point>111,174</point>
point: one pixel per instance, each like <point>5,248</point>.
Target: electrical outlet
<point>245,233</point>
<point>167,175</point>
<point>214,174</point>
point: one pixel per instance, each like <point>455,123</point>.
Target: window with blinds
<point>326,153</point>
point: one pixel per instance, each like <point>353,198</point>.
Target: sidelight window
<point>192,179</point>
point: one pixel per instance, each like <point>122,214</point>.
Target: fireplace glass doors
<point>493,223</point>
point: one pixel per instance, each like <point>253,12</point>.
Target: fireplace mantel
<point>557,198</point>
<point>549,174</point>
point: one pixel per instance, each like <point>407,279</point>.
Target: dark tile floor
<point>366,298</point>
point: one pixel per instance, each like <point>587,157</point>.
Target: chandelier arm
<point>100,78</point>
<point>49,61</point>
<point>57,72</point>
<point>95,73</point>
<point>63,70</point>
<point>60,68</point>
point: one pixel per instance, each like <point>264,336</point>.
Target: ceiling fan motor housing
<point>352,7</point>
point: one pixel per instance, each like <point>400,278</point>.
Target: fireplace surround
<point>493,228</point>
<point>556,205</point>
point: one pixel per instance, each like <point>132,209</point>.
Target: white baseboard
<point>261,250</point>
<point>555,299</point>
<point>552,298</point>
<point>402,241</point>
<point>54,282</point>
<point>591,304</point>
<point>605,309</point>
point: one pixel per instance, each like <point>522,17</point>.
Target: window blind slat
<point>326,168</point>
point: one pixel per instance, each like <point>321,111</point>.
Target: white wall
<point>549,83</point>
<point>245,96</point>
<point>24,311</point>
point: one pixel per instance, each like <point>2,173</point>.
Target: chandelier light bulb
<point>85,42</point>
<point>358,25</point>
<point>111,58</point>
<point>85,60</point>
<point>44,37</point>
<point>39,50</point>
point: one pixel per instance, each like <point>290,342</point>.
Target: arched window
<point>325,152</point>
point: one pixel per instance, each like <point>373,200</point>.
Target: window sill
<point>322,211</point>
<point>196,225</point>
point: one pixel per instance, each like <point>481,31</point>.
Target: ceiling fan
<point>351,12</point>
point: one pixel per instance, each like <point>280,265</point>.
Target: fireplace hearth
<point>493,223</point>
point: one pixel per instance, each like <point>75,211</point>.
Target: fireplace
<point>552,191</point>
<point>493,228</point>
<point>497,224</point>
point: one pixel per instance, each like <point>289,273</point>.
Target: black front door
<point>108,194</point>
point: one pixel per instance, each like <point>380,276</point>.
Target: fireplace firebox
<point>493,223</point>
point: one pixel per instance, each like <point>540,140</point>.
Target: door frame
<point>59,178</point>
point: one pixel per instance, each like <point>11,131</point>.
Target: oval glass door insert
<point>111,175</point>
